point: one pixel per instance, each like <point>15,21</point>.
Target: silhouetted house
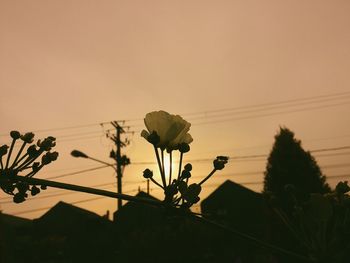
<point>67,218</point>
<point>237,207</point>
<point>15,238</point>
<point>158,235</point>
<point>67,233</point>
<point>138,215</point>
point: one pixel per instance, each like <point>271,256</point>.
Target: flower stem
<point>18,154</point>
<point>78,188</point>
<point>180,165</point>
<point>32,173</point>
<point>170,165</point>
<point>10,152</point>
<point>160,167</point>
<point>20,159</point>
<point>162,158</point>
<point>208,176</point>
<point>29,160</point>
<point>154,181</point>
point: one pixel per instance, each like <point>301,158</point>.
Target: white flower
<point>171,129</point>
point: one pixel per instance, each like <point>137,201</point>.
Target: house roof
<point>62,208</point>
<point>14,221</point>
<point>236,206</point>
<point>229,190</point>
<point>135,213</point>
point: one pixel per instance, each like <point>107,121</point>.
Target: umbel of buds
<point>29,160</point>
<point>169,133</point>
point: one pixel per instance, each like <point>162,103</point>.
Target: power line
<point>61,128</point>
<point>233,175</point>
<point>205,185</point>
<point>266,107</point>
<point>59,193</point>
<point>254,156</point>
<point>270,103</point>
<point>78,172</point>
<point>321,98</point>
<point>72,203</point>
<point>331,154</point>
<point>246,110</point>
<point>48,207</point>
<point>269,114</point>
<point>205,160</point>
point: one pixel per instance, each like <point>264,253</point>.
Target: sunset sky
<point>237,70</point>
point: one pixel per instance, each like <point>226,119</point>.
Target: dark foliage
<point>292,169</point>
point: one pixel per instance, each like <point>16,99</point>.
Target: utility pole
<point>121,160</point>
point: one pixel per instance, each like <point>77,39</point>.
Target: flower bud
<point>15,135</point>
<point>182,187</point>
<point>223,158</point>
<point>22,187</point>
<point>171,190</point>
<point>153,138</point>
<point>54,156</point>
<point>185,174</point>
<point>47,143</point>
<point>35,190</point>
<point>49,157</point>
<point>45,159</point>
<point>218,165</point>
<point>188,167</point>
<point>219,162</point>
<point>147,173</point>
<point>18,198</point>
<point>32,151</point>
<point>43,187</point>
<point>8,187</point>
<point>184,147</point>
<point>28,137</point>
<point>35,167</point>
<point>192,193</point>
<point>3,150</point>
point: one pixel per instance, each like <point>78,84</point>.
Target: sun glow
<point>174,168</point>
<point>167,165</point>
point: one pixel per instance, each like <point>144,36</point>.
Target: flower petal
<point>145,134</point>
<point>171,129</point>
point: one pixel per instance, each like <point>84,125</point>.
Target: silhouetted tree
<point>292,169</point>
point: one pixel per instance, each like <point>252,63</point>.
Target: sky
<point>237,70</point>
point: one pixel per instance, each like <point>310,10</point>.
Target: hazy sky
<point>71,63</point>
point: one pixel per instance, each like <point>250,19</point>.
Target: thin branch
<point>35,181</point>
<point>254,240</point>
<point>208,176</point>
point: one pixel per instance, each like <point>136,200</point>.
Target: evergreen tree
<point>289,164</point>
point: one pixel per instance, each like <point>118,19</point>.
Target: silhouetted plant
<point>24,162</point>
<point>289,165</point>
<point>321,224</point>
<point>168,133</point>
